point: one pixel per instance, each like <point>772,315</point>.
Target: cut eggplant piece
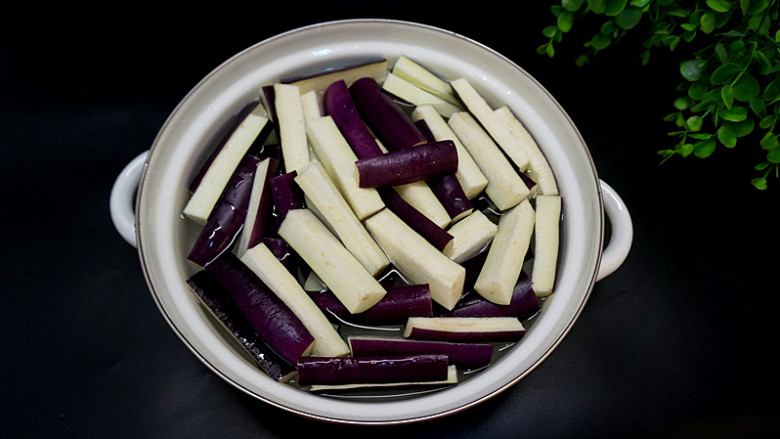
<point>538,167</point>
<point>420,223</point>
<point>482,112</point>
<point>271,271</point>
<point>506,255</point>
<point>450,194</point>
<point>320,80</point>
<point>266,312</point>
<point>413,72</point>
<point>471,178</point>
<point>505,187</point>
<point>334,210</point>
<point>355,287</point>
<point>461,355</point>
<point>416,258</point>
<point>312,106</point>
<point>464,329</point>
<point>372,370</point>
<point>224,164</point>
<point>386,119</point>
<point>408,165</point>
<point>411,93</point>
<point>239,117</point>
<point>219,303</point>
<point>452,379</point>
<point>339,106</point>
<point>469,236</point>
<point>524,303</point>
<point>286,194</point>
<point>338,159</point>
<point>546,235</point>
<point>292,126</point>
<point>227,218</point>
<point>420,196</point>
<point>400,303</point>
<point>260,204</point>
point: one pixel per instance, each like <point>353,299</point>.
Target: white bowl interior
<point>181,146</point>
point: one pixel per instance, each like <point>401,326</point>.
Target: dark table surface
<point>677,343</point>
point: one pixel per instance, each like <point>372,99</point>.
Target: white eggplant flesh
<point>203,200</point>
<point>318,83</point>
<point>546,244</point>
<point>415,73</point>
<point>343,274</point>
<point>312,105</point>
<point>327,341</point>
<point>505,186</point>
<point>415,95</point>
<point>482,111</point>
<point>452,378</point>
<point>417,259</point>
<point>471,178</point>
<point>538,168</point>
<point>469,236</point>
<point>259,190</point>
<point>291,124</point>
<point>422,198</point>
<point>464,329</point>
<point>338,159</point>
<point>506,255</point>
<point>334,210</point>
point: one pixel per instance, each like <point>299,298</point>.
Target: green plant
<point>730,87</point>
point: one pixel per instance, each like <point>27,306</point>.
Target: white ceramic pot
<point>154,222</point>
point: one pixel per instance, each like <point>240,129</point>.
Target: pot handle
<point>122,199</point>
<point>616,251</point>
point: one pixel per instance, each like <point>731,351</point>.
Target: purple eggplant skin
<point>523,304</point>
<point>266,312</point>
<point>227,219</point>
<point>409,165</point>
<point>269,96</point>
<point>420,223</point>
<point>425,130</point>
<point>286,255</point>
<point>372,370</point>
<point>286,193</point>
<point>264,207</point>
<point>386,119</point>
<point>449,192</point>
<point>529,183</point>
<point>218,301</point>
<point>467,356</point>
<point>400,302</point>
<point>338,104</point>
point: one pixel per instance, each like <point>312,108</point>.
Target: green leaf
<point>773,156</point>
<point>608,27</point>
<point>719,5</point>
<point>697,90</point>
<point>772,90</point>
<point>759,183</point>
<point>746,88</point>
<point>600,41</point>
<point>734,114</point>
<point>726,136</point>
<point>694,123</point>
<point>581,60</point>
<point>722,53</point>
<point>640,3</point>
<point>549,31</point>
<point>597,6</point>
<point>758,106</point>
<point>693,69</point>
<point>565,21</point>
<point>725,73</point>
<point>572,5</point>
<point>707,22</point>
<point>629,18</point>
<point>727,94</point>
<point>766,122</point>
<point>614,7</point>
<point>742,129</point>
<point>681,103</point>
<point>769,142</point>
<point>704,149</point>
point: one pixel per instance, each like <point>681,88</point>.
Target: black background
<point>679,342</point>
